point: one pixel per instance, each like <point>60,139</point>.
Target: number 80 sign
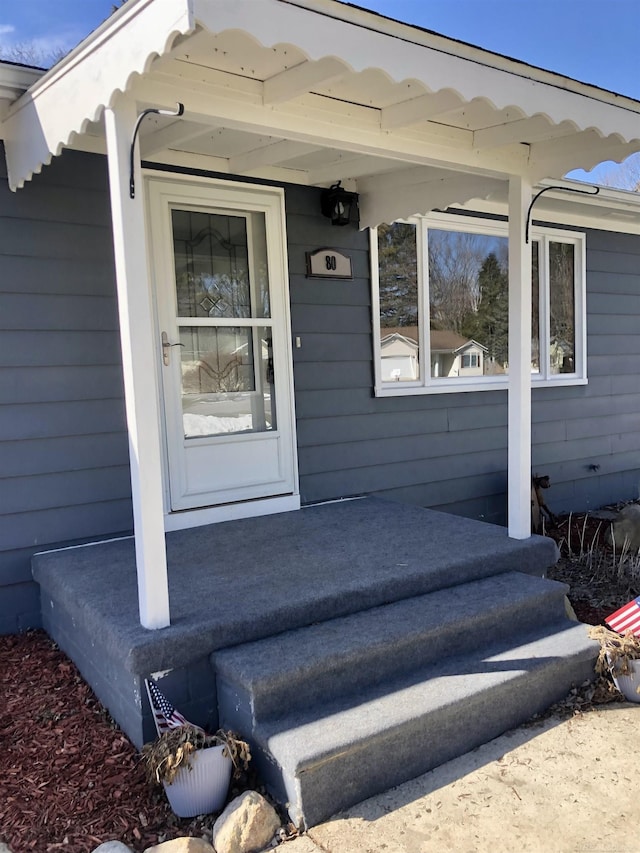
<point>328,263</point>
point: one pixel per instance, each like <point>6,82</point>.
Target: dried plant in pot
<point>620,656</point>
<point>195,768</point>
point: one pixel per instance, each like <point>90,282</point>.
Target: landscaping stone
<point>109,847</point>
<point>247,825</point>
<point>4,848</point>
<point>603,514</point>
<point>626,527</point>
<point>182,845</point>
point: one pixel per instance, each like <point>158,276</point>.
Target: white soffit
<point>608,210</point>
<point>296,77</point>
<point>14,80</point>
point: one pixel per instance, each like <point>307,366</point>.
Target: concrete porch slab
<point>238,581</point>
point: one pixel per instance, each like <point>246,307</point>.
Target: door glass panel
<point>217,275</point>
<point>227,380</point>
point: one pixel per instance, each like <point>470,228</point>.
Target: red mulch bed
<point>69,778</point>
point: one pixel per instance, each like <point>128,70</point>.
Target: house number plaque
<point>328,263</point>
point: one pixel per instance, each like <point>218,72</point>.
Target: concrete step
<point>316,664</point>
<point>335,755</point>
<point>344,709</point>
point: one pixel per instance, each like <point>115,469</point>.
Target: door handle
<point>166,349</point>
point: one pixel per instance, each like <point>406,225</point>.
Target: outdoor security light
<point>336,204</point>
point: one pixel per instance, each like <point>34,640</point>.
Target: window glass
<point>468,302</point>
<point>455,269</point>
<point>214,275</point>
<point>470,360</point>
<point>562,309</point>
<point>398,283</point>
<point>535,307</point>
<point>227,380</point>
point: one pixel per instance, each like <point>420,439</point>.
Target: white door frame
<point>160,187</point>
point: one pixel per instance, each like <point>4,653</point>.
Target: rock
<point>603,514</point>
<point>182,845</point>
<point>568,609</point>
<point>109,847</point>
<point>626,527</point>
<point>4,848</point>
<point>247,825</point>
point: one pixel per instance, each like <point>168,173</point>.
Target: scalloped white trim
<point>74,93</point>
<point>107,65</point>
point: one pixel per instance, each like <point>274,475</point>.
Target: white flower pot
<point>628,685</point>
<point>203,787</point>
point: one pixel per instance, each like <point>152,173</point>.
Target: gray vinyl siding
<point>449,451</point>
<point>63,448</point>
<point>64,473</point>
<point>597,459</point>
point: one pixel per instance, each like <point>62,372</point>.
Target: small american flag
<point>626,619</point>
<point>164,714</point>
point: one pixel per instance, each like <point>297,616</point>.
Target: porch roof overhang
<point>315,91</point>
<point>15,79</point>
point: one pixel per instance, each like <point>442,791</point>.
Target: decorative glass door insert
<point>223,317</point>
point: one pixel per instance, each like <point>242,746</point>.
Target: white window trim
<point>427,384</point>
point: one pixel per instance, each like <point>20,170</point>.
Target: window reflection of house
<point>399,351</point>
<point>561,356</point>
<point>451,354</point>
<point>455,355</point>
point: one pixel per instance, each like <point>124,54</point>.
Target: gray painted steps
<point>323,765</point>
<point>339,711</point>
<point>299,668</point>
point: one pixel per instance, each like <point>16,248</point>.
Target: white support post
<point>138,345</point>
<point>519,435</point>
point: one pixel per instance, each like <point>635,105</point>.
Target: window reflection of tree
<point>535,306</point>
<point>398,275</point>
<point>562,307</point>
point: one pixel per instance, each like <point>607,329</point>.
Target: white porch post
<point>138,343</point>
<point>519,434</point>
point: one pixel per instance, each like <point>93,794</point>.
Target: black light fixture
<point>336,204</point>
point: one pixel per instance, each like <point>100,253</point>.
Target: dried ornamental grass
<point>616,650</point>
<point>173,750</point>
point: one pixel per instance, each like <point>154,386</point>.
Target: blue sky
<point>595,41</point>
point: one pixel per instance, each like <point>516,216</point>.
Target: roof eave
<point>37,128</point>
<point>126,45</point>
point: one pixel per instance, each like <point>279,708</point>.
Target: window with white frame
<point>441,308</point>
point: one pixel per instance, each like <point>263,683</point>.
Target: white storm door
<point>224,341</point>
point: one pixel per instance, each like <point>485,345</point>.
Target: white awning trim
<point>379,203</point>
<point>75,92</point>
<point>317,46</point>
<point>404,61</point>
